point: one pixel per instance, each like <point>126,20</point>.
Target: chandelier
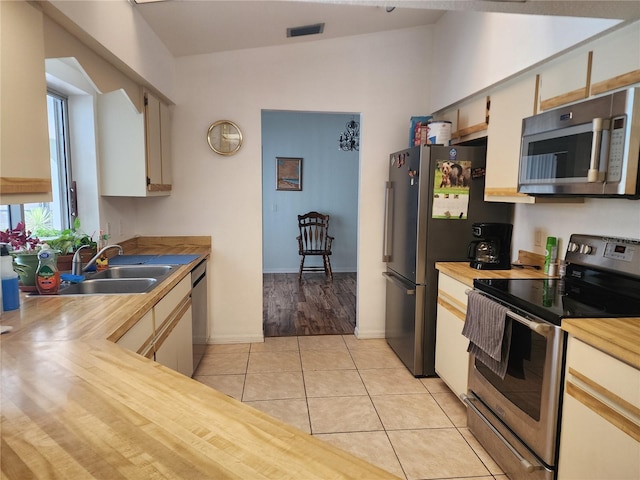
<point>350,138</point>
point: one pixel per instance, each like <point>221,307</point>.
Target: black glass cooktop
<point>554,299</point>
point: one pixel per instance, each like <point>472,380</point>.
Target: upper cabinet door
<point>473,118</point>
<point>157,134</point>
<point>616,60</point>
<point>134,147</point>
<point>565,79</point>
<point>510,103</point>
<point>24,153</point>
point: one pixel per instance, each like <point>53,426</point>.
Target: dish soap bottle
<point>47,274</point>
<point>10,291</point>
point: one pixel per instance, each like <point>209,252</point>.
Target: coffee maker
<point>493,249</point>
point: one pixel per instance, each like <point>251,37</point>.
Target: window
<point>45,218</point>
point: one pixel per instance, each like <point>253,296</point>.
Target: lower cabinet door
<point>452,359</point>
<point>600,434</point>
<point>174,347</point>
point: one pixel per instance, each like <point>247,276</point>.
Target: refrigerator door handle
<point>388,222</point>
<point>399,283</point>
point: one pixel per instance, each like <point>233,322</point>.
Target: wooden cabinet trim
<point>478,127</point>
<point>451,308</point>
<point>505,192</point>
<point>10,185</point>
<point>618,81</point>
<point>158,187</point>
<point>574,96</point>
<point>169,318</point>
<point>622,421</point>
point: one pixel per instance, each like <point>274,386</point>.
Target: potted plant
<point>67,242</point>
<point>24,248</point>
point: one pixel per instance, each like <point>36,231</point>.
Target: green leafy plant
<point>69,240</point>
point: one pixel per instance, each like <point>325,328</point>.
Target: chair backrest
<point>314,231</point>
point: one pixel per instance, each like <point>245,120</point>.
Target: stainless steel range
<point>517,417</point>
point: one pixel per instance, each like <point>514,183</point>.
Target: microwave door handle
<point>594,174</point>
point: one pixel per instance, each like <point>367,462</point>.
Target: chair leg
<point>327,266</point>
<point>301,267</point>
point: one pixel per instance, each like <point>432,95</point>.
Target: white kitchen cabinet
<point>173,342</point>
<point>452,359</point>
<point>469,120</point>
<point>510,103</point>
<point>473,118</point>
<point>565,79</point>
<point>600,435</point>
<point>616,60</point>
<point>139,338</point>
<point>24,153</point>
<point>157,141</point>
<point>134,147</point>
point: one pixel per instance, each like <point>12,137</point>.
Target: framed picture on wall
<point>288,173</point>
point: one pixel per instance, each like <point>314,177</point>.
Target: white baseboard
<point>368,334</point>
<point>230,339</point>
<point>288,270</point>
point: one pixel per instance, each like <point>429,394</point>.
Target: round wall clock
<point>224,137</point>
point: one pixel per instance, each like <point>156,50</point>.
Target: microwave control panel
<point>616,149</point>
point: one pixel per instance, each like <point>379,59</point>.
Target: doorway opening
<point>328,183</point>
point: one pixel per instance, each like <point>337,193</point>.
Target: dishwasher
<point>199,292</point>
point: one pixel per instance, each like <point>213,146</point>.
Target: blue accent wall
<point>329,185</point>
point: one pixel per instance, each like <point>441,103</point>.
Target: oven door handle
<point>526,464</point>
<point>541,328</point>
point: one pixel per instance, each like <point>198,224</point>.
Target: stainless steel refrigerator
<point>433,195</point>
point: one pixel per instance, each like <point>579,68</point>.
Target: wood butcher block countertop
<point>76,405</point>
<point>618,337</point>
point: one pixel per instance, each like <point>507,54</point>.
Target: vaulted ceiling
<point>191,27</point>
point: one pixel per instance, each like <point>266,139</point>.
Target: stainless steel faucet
<point>76,262</point>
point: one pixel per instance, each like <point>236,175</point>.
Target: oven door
<point>527,399</point>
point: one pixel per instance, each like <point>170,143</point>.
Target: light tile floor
<point>357,395</point>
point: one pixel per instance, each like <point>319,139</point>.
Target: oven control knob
<point>573,247</point>
<point>586,249</point>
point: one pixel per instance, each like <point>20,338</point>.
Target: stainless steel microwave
<point>590,148</point>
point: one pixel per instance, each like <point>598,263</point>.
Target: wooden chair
<point>314,239</point>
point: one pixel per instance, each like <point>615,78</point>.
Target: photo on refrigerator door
<point>451,189</point>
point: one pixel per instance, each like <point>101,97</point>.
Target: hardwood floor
<point>314,307</point>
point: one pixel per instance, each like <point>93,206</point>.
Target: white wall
<point>377,75</point>
<point>122,32</point>
<point>597,216</point>
<point>474,50</point>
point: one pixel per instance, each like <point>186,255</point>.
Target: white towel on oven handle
<point>489,332</point>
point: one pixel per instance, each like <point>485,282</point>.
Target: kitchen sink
<point>106,286</point>
<point>134,271</point>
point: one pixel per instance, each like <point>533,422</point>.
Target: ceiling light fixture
<point>350,138</point>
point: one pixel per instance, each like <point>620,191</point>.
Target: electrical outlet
<point>537,237</point>
<point>109,228</point>
<point>121,228</point>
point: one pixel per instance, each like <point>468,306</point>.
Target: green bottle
<point>550,253</point>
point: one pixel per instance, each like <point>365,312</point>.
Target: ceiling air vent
<point>305,30</point>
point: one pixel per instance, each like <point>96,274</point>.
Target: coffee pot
<point>493,250</point>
